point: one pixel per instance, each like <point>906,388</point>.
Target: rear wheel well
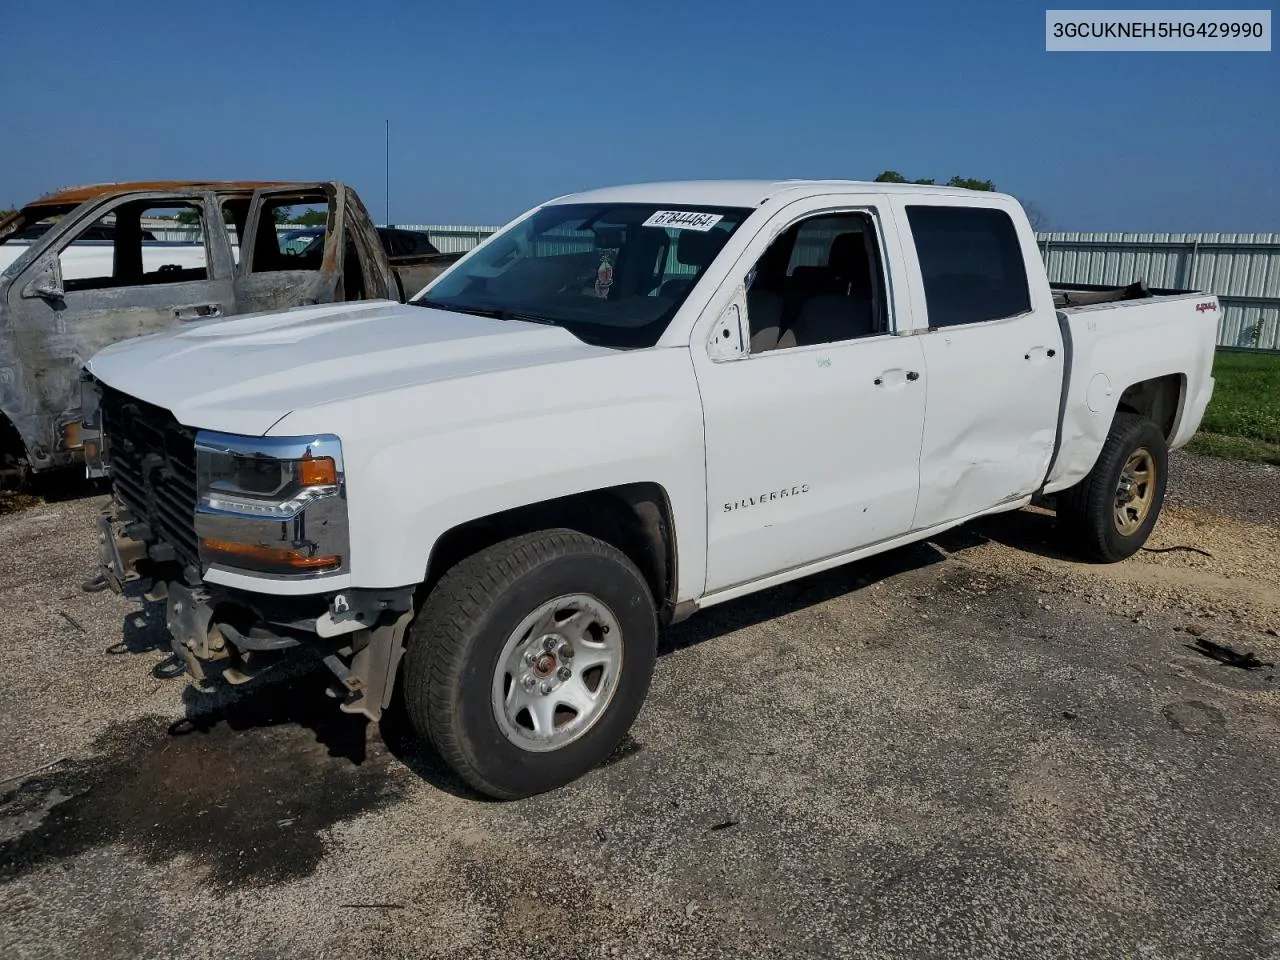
<point>1158,399</point>
<point>635,518</point>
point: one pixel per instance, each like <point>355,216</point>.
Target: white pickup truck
<point>627,405</point>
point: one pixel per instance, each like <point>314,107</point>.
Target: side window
<point>352,270</point>
<point>137,244</point>
<point>971,263</point>
<point>290,234</point>
<point>821,281</point>
<point>234,214</point>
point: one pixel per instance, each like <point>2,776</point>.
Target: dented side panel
<point>1117,345</point>
<point>994,389</point>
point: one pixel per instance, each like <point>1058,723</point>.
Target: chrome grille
<point>152,461</point>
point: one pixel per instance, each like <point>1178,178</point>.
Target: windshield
<point>31,222</point>
<point>611,274</point>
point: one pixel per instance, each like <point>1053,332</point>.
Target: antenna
<point>388,173</point>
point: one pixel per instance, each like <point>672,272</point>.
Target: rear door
<point>272,276</point>
<point>993,355</point>
<point>128,267</point>
<point>367,271</point>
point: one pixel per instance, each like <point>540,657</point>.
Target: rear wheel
<point>1109,515</point>
<point>530,660</point>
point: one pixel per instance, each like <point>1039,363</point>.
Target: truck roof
<point>752,193</point>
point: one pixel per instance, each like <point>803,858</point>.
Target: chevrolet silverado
<point>627,405</point>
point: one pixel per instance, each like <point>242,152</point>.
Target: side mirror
<point>729,337</point>
<point>47,283</point>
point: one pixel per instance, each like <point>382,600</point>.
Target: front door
<point>130,267</point>
<point>813,438</point>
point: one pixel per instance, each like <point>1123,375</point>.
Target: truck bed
<point>1124,335</point>
<point>1066,295</point>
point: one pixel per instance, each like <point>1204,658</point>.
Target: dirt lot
<point>972,748</point>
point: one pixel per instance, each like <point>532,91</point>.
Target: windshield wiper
<point>529,318</point>
<point>490,312</point>
<point>474,311</point>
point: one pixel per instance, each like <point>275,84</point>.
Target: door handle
<point>896,378</point>
<point>201,311</point>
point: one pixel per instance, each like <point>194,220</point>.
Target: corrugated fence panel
<point>1242,269</point>
<point>451,238</point>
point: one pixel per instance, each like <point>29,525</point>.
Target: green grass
<point>1243,419</point>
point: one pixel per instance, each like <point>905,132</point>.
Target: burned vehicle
<point>86,267</point>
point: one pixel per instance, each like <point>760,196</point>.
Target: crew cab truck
<point>627,405</point>
<point>82,268</point>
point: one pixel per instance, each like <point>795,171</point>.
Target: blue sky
<point>496,106</point>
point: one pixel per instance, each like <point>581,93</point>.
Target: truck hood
<point>243,374</point>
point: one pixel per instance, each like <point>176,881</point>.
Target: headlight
<point>271,504</point>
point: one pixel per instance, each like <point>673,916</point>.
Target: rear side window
<point>971,262</point>
<point>287,230</point>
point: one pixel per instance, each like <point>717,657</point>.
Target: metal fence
<point>1243,269</point>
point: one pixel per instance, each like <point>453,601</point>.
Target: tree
<point>1039,219</point>
<point>968,183</point>
<point>188,216</point>
<point>893,176</point>
<point>7,213</point>
<point>313,218</point>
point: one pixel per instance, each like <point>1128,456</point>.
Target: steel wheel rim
<point>1135,492</point>
<point>557,673</point>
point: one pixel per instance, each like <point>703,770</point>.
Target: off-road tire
<point>1086,512</point>
<point>458,635</point>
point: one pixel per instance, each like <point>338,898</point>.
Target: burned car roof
<point>90,191</point>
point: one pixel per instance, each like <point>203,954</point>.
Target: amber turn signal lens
<point>71,435</point>
<point>266,559</point>
<point>317,471</point>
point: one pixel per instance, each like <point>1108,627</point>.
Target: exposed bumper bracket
<point>371,678</point>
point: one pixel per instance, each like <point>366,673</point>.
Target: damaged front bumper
<point>236,635</point>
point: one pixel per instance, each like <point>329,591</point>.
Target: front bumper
<point>237,635</point>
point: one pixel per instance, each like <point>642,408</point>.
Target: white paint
<point>1128,343</point>
<point>447,418</point>
<point>993,389</point>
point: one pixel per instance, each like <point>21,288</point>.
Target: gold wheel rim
<point>1135,492</point>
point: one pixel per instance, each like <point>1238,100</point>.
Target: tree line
<point>1039,219</point>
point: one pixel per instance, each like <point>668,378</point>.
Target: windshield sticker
<point>683,220</point>
<point>604,277</point>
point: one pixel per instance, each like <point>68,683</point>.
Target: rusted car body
<point>68,293</point>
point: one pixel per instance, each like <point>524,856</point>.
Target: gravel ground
<point>971,748</point>
<point>1230,488</point>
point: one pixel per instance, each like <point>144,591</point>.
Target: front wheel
<point>530,660</point>
<point>1109,515</point>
